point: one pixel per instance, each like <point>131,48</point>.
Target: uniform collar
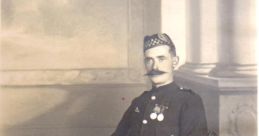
<point>168,87</point>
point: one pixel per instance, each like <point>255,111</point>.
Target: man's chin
<point>156,79</point>
<point>160,79</point>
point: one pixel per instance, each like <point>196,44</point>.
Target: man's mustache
<point>154,72</point>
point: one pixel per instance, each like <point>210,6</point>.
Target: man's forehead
<point>162,50</point>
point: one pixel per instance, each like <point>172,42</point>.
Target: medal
<point>157,109</point>
<point>160,117</point>
<point>157,113</point>
<point>153,116</point>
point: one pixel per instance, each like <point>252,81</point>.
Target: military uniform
<point>164,111</point>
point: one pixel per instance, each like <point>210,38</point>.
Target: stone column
<point>201,36</point>
<point>237,42</point>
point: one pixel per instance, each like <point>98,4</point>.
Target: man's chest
<point>156,114</point>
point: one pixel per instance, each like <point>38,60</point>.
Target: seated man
<point>167,109</point>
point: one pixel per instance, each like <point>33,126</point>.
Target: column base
<point>229,100</point>
<point>199,69</point>
<point>229,71</point>
<point>220,83</point>
<point>220,76</point>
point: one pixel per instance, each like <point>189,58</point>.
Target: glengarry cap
<point>157,40</point>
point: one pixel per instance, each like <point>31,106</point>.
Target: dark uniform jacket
<point>164,111</point>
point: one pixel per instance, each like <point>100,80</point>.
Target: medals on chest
<point>158,112</point>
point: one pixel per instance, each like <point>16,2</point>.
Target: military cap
<point>158,40</point>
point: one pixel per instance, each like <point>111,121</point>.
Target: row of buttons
<point>152,98</point>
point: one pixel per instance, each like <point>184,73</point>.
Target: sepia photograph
<point>128,68</point>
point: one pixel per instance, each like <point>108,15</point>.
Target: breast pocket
<point>166,131</point>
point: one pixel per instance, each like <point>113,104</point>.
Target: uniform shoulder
<point>187,91</point>
<point>189,97</point>
<point>144,94</point>
<point>141,96</point>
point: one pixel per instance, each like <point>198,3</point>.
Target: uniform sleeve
<point>193,119</point>
<point>124,124</point>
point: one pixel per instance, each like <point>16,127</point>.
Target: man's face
<point>159,64</point>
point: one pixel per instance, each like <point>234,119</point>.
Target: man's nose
<point>155,65</point>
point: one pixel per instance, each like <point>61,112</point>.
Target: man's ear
<point>175,61</point>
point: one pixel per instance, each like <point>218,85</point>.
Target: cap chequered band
<point>157,40</point>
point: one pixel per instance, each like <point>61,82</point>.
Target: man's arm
<point>193,119</point>
<point>124,124</point>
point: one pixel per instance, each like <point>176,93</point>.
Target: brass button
<point>153,97</point>
<point>144,121</point>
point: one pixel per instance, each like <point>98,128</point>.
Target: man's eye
<point>162,59</point>
<point>148,60</point>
